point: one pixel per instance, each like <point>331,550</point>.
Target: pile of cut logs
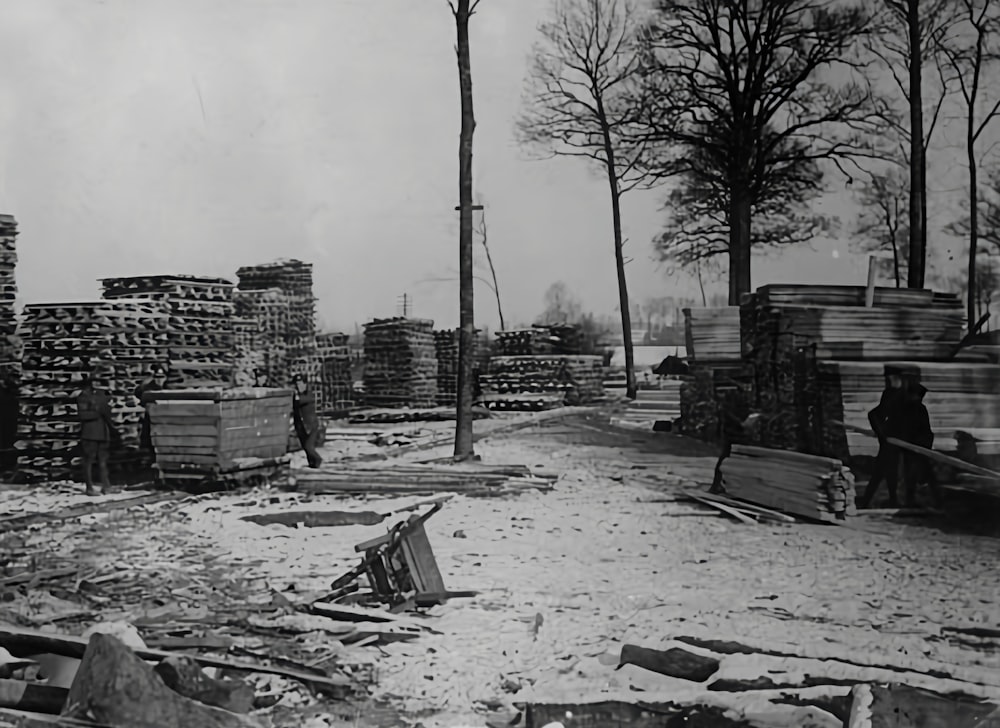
<point>268,309</point>
<point>523,382</point>
<point>335,362</point>
<point>803,485</point>
<point>200,343</point>
<point>401,366</point>
<point>8,288</point>
<point>116,342</point>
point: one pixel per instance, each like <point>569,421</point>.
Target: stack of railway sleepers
<point>401,366</point>
<point>10,345</point>
<point>446,347</point>
<point>566,338</point>
<point>577,379</point>
<point>524,342</point>
<point>296,280</point>
<point>803,485</point>
<point>201,344</point>
<point>712,333</point>
<point>116,342</point>
<point>335,373</point>
<point>249,356</point>
<point>960,396</point>
<point>268,308</point>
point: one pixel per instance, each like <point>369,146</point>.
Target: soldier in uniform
<point>96,431</point>
<point>306,420</point>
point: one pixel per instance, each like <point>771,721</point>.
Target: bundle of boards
<point>401,368</point>
<point>575,379</point>
<point>117,342</point>
<point>266,352</point>
<point>200,340</point>
<point>803,485</point>
<point>712,333</point>
<point>336,380</point>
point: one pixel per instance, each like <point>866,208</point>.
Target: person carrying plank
<point>305,419</point>
<point>886,420</point>
<point>96,432</point>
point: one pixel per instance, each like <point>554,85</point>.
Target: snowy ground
<point>610,556</point>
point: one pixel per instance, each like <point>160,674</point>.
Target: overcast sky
<point>196,136</point>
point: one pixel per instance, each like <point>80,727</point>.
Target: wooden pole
<point>870,288</point>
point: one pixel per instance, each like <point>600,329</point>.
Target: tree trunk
<point>616,221</point>
<point>972,296</point>
<point>463,412</point>
<point>739,244</point>
<point>918,162</point>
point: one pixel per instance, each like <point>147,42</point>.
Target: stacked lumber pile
<point>269,310</point>
<point>712,334</point>
<point>523,342</point>
<point>803,485</point>
<point>529,382</point>
<point>8,289</point>
<point>248,356</point>
<point>200,339</point>
<point>446,347</point>
<point>115,341</point>
<point>335,371</point>
<point>651,406</point>
<point>401,366</point>
<point>295,279</point>
<point>960,396</point>
<point>422,479</point>
<point>566,338</point>
<point>708,389</point>
<point>787,331</point>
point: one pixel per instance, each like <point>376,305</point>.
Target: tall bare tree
<point>581,102</point>
<point>884,221</point>
<point>907,39</point>
<point>462,10</point>
<point>753,96</point>
<point>972,49</point>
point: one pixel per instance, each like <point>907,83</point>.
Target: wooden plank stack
<point>200,344</point>
<point>712,334</point>
<point>579,379</point>
<point>446,346</point>
<point>788,331</point>
<point>249,355</point>
<point>803,485</point>
<point>8,289</point>
<point>524,342</point>
<point>337,378</point>
<point>401,366</point>
<point>117,342</point>
<point>961,396</point>
<point>268,309</point>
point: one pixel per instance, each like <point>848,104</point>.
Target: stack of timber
<point>295,279</point>
<point>225,435</point>
<point>335,371</point>
<point>803,485</point>
<point>200,344</point>
<point>709,390</point>
<point>712,334</point>
<point>652,406</point>
<point>960,396</point>
<point>422,479</point>
<point>116,342</point>
<point>539,382</point>
<point>249,358</point>
<point>565,338</point>
<point>401,366</point>
<point>446,347</point>
<point>523,342</point>
<point>10,344</point>
<point>269,310</point>
<point>789,331</point>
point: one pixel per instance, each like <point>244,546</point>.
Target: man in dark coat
<point>96,431</point>
<point>916,429</point>
<point>886,421</point>
<point>306,420</point>
<point>157,382</point>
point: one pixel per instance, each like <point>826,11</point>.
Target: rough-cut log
<point>115,687</point>
<point>317,519</point>
<point>674,662</point>
<point>185,677</point>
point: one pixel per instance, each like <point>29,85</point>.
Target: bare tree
<point>970,49</point>
<point>493,271</point>
<point>884,220</point>
<point>987,215</point>
<point>753,96</point>
<point>462,10</point>
<point>580,103</point>
<point>907,37</point>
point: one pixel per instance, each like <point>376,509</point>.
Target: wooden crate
<point>213,429</point>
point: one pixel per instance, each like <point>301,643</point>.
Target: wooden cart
<point>220,436</point>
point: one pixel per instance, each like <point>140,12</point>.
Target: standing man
<point>886,420</point>
<point>96,429</point>
<point>306,420</point>
<point>157,382</point>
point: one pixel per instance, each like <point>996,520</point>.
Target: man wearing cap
<point>96,429</point>
<point>916,429</point>
<point>306,420</point>
<point>156,382</point>
<point>886,421</point>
